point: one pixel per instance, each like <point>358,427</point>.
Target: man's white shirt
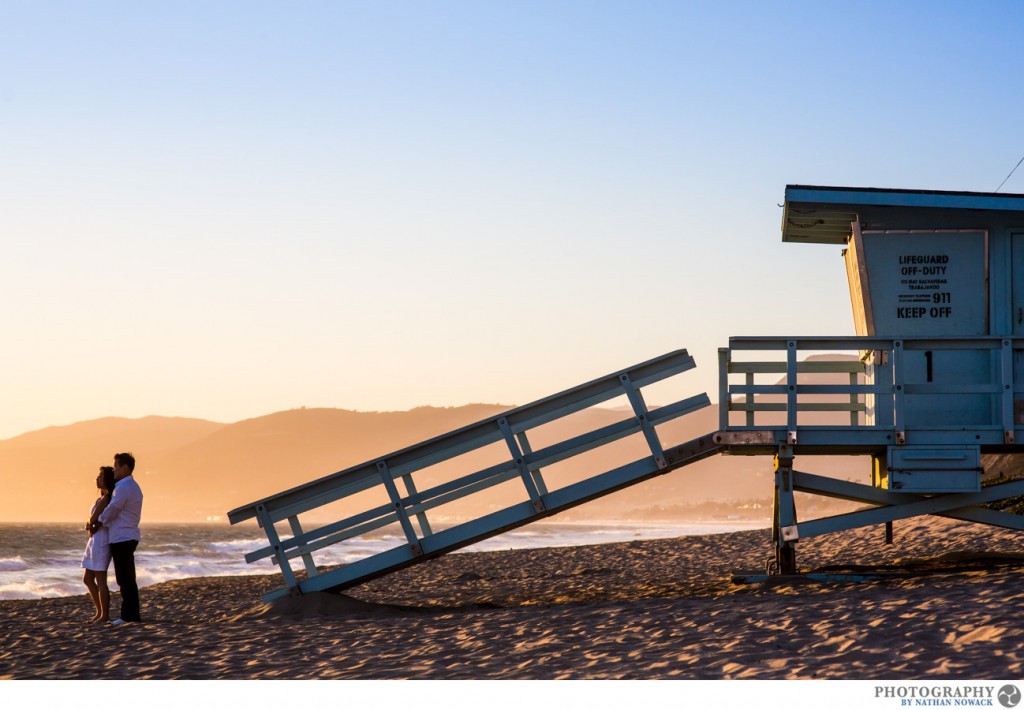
<point>124,511</point>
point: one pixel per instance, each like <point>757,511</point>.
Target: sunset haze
<point>219,210</point>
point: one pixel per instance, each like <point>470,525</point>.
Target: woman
<point>97,550</point>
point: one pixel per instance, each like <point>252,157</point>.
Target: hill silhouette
<point>194,470</point>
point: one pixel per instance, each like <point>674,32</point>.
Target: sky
<point>226,209</point>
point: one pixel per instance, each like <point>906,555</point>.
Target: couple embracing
<point>114,534</point>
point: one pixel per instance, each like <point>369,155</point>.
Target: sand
<point>637,610</point>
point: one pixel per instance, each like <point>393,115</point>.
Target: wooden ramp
<point>533,498</point>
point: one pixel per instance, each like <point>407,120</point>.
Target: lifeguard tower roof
<point>819,214</point>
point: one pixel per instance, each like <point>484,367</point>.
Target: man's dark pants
<point>124,572</point>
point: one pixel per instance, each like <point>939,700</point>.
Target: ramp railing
<point>411,508</point>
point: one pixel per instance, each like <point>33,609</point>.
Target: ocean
<point>44,560</point>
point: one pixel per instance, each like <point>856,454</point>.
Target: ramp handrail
<point>523,463</point>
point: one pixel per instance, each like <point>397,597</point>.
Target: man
<point>122,520</point>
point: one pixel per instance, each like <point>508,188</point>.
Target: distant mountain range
<point>193,470</point>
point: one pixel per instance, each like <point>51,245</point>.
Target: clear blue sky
<point>224,209</point>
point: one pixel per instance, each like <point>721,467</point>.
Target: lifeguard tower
<point>937,287</point>
<point>933,379</point>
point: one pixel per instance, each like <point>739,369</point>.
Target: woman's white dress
<point>97,550</point>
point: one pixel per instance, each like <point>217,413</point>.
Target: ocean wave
<point>239,545</point>
<point>157,575</point>
<point>179,551</point>
<point>12,564</point>
<point>40,589</point>
<point>73,560</point>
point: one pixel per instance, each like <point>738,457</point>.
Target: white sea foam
<point>40,589</point>
<point>148,575</point>
<point>12,564</point>
<point>232,546</point>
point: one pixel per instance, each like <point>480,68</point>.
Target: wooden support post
<point>421,516</point>
<point>307,558</point>
<point>898,377</point>
<point>791,393</point>
<point>403,515</point>
<point>784,515</point>
<point>750,400</point>
<point>854,397</point>
<point>640,409</point>
<point>524,444</point>
<point>519,459</point>
<point>263,515</point>
<point>724,398</point>
<point>1006,378</point>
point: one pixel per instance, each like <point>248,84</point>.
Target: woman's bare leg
<point>104,595</point>
<point>94,592</point>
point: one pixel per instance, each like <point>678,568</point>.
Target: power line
<point>1011,172</point>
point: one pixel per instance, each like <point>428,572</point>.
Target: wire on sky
<point>1011,172</point>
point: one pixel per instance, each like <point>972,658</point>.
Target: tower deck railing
<point>885,392</point>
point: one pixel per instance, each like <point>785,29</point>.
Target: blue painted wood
<point>890,390</point>
<point>519,460</point>
<point>307,559</point>
<point>465,485</point>
<point>1007,385</point>
<point>832,487</point>
<point>396,500</point>
<point>347,534</point>
<point>725,398</point>
<point>564,450</point>
<point>367,520</point>
<point>636,400</point>
<point>421,518</point>
<point>841,389</point>
<point>510,427</point>
<point>923,506</point>
<point>275,544</point>
<point>535,471</point>
<point>904,198</point>
<point>365,568</point>
<point>892,402</point>
<point>509,518</point>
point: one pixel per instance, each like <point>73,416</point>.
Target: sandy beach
<point>636,610</point>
